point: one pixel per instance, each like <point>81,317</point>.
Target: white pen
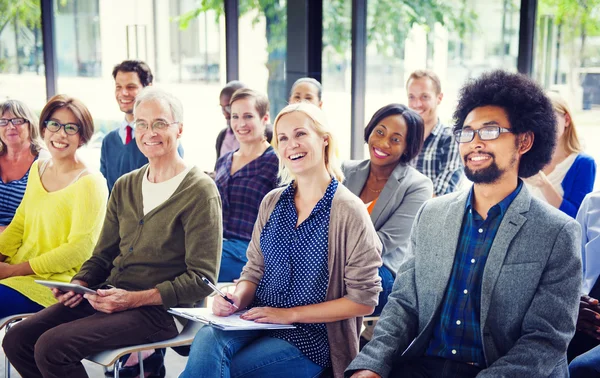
<point>216,290</point>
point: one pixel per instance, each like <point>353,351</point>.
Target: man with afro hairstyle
<point>492,285</point>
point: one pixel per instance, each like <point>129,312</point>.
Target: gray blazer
<point>529,294</point>
<point>402,196</point>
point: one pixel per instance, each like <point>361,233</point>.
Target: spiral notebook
<point>232,322</point>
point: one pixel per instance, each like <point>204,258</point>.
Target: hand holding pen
<point>221,294</point>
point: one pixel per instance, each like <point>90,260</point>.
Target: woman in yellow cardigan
<point>58,222</point>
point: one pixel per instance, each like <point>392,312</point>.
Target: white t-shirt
<point>154,194</point>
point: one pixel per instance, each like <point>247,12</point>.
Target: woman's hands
<point>270,315</point>
<point>221,307</point>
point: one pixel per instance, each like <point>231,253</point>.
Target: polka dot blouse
<point>296,268</point>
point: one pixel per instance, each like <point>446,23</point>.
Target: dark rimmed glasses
<point>15,121</point>
<point>70,128</point>
<point>485,133</point>
<point>156,125</point>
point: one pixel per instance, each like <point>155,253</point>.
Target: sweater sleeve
<point>86,221</point>
<point>580,183</point>
<point>363,255</point>
<point>203,229</point>
<point>97,268</point>
<point>255,267</point>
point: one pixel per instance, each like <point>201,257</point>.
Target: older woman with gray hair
<point>161,234</point>
<point>20,146</point>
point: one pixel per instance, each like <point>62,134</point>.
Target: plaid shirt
<point>439,160</point>
<point>242,193</point>
<point>457,334</point>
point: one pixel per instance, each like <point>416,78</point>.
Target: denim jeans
<point>14,303</point>
<point>387,282</point>
<point>586,365</point>
<point>233,259</point>
<point>225,354</point>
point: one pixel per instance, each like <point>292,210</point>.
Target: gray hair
<point>166,99</point>
<point>20,110</point>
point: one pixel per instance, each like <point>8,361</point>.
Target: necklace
<point>375,191</point>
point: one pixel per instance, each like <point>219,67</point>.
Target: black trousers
<point>433,367</point>
<point>53,342</point>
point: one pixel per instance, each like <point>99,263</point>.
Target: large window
<point>458,39</point>
<point>336,76</point>
<point>262,50</point>
<point>186,58</point>
<point>21,58</point>
<point>567,51</point>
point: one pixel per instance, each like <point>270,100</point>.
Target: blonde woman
<point>570,175</point>
<point>312,262</point>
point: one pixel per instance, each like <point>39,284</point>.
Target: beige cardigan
<point>354,257</point>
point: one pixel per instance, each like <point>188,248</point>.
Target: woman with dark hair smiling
<point>392,190</point>
<point>56,226</point>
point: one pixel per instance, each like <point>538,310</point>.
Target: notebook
<point>232,322</point>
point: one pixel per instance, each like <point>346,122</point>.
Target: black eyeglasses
<point>156,125</point>
<point>15,121</point>
<point>485,133</point>
<point>70,128</point>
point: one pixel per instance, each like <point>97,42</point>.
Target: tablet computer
<point>66,287</point>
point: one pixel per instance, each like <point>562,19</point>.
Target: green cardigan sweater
<point>169,248</point>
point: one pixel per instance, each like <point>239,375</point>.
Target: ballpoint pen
<point>216,290</point>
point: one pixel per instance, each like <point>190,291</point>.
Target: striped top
<point>11,194</point>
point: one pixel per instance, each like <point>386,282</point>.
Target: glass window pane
<point>21,53</point>
<point>337,69</point>
<point>188,60</point>
<point>458,39</point>
<point>567,52</point>
<point>262,49</point>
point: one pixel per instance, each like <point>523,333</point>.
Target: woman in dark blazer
<point>392,190</point>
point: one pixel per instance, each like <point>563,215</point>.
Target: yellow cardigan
<point>56,232</point>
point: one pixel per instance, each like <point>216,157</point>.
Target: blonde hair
<point>319,124</point>
<point>419,74</point>
<point>560,105</point>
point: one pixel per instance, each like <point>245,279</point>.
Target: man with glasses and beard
<point>492,286</point>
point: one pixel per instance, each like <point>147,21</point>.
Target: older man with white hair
<point>162,232</point>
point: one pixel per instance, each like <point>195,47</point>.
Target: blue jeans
<point>233,259</point>
<point>586,365</point>
<point>225,354</point>
<point>14,303</point>
<point>387,282</point>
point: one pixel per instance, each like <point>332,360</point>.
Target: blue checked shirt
<point>457,336</point>
<point>242,192</point>
<point>440,160</point>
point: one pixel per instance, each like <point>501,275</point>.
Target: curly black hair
<point>414,126</point>
<point>141,68</point>
<point>526,105</point>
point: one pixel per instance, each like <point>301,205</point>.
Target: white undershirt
<point>556,177</point>
<point>154,194</point>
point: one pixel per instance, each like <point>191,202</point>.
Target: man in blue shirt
<point>492,284</point>
<point>118,155</point>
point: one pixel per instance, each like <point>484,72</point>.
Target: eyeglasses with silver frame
<point>156,125</point>
<point>485,133</point>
